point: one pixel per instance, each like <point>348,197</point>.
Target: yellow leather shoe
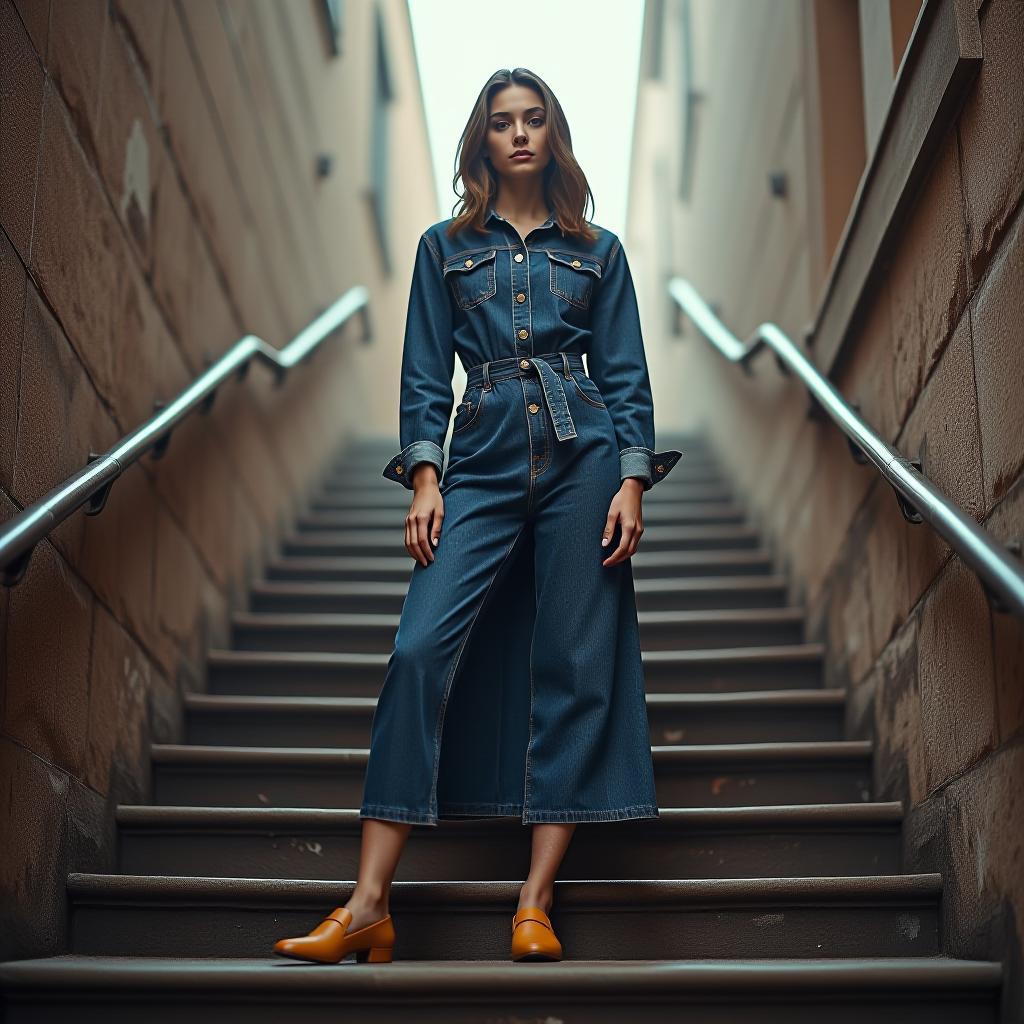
<point>533,938</point>
<point>331,941</point>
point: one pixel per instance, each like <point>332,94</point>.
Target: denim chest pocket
<point>471,277</point>
<point>572,276</point>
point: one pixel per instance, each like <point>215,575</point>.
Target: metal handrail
<point>91,485</point>
<point>1000,572</point>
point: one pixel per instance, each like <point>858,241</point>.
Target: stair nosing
<point>722,980</point>
<point>663,893</point>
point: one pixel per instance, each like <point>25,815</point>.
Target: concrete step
<point>388,540</point>
<point>709,513</point>
<point>701,842</point>
<point>398,568</point>
<point>754,717</point>
<point>351,496</point>
<point>870,915</point>
<point>382,598</point>
<point>326,674</point>
<point>885,990</point>
<point>708,775</point>
<point>374,633</point>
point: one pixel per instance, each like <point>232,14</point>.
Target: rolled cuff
<point>646,464</point>
<point>400,466</point>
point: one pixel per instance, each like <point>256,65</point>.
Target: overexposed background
<point>587,53</point>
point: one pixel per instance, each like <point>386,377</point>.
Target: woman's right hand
<point>425,515</point>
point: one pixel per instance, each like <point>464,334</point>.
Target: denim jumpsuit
<point>515,685</point>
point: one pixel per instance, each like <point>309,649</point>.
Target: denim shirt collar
<point>552,219</point>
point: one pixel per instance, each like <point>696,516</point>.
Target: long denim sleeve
<point>428,364</point>
<point>617,363</point>
<point>490,294</point>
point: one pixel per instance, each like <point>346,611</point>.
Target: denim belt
<point>523,366</point>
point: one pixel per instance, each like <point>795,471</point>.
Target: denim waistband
<point>544,366</point>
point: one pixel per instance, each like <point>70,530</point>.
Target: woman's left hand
<point>625,510</point>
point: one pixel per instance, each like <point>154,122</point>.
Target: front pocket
<point>572,276</point>
<point>467,412</point>
<point>588,390</point>
<point>471,277</point>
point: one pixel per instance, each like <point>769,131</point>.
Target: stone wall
<point>159,201</point>
<point>936,676</point>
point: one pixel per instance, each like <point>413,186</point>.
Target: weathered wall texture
<point>936,676</point>
<point>160,200</point>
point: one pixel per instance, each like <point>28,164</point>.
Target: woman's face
<point>517,121</point>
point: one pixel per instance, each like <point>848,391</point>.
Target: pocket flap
<point>468,261</point>
<point>576,261</point>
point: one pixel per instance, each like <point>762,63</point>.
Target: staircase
<point>770,889</point>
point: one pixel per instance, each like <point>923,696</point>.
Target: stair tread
<point>697,557</point>
<point>369,535</point>
<point>486,895</point>
<point>364,620</point>
<point>209,702</point>
<point>196,753</point>
<point>810,816</point>
<point>697,584</point>
<point>770,652</point>
<point>723,979</point>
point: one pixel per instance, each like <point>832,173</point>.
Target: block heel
<point>374,955</point>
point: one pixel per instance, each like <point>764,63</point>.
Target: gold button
<point>533,407</point>
<point>398,468</point>
<point>524,333</point>
<point>524,363</point>
<point>660,469</point>
<point>520,297</point>
<point>469,263</point>
<point>576,263</point>
<point>518,257</point>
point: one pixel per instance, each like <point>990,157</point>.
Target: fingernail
<point>604,542</point>
<point>435,541</point>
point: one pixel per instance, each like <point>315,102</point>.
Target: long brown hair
<point>565,185</point>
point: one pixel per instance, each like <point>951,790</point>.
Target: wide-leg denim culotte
<point>533,464</point>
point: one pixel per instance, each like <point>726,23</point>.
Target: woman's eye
<point>499,125</point>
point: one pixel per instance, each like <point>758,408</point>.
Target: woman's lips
<point>523,156</point>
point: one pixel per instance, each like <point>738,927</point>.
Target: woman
<point>533,528</point>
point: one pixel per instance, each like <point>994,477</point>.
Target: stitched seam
<point>616,247</point>
<point>512,289</point>
<point>529,740</point>
<point>529,274</point>
<point>476,415</point>
<point>423,441</point>
<point>550,401</point>
<point>577,255</point>
<point>529,441</point>
<point>451,672</point>
<point>436,252</point>
<point>578,303</point>
<point>492,285</point>
<point>586,397</point>
<point>491,250</point>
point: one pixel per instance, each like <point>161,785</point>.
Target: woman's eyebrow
<point>505,113</point>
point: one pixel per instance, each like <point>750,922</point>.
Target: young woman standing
<point>515,686</point>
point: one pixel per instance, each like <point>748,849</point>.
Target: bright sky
<point>588,53</point>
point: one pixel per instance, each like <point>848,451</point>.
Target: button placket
<point>521,312</point>
<point>519,271</point>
